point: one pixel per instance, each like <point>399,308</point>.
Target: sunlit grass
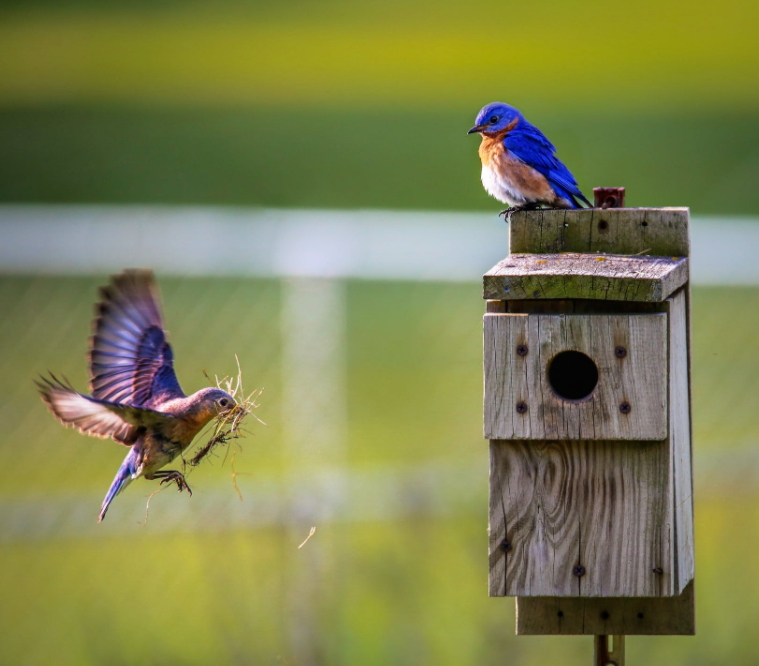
<point>406,591</point>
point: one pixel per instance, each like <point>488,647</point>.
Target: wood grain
<point>654,231</point>
<point>638,379</point>
<point>587,276</point>
<point>680,435</point>
<point>633,616</point>
<point>605,506</point>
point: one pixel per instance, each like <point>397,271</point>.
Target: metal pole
<point>609,657</point>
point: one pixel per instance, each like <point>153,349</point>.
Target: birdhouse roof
<point>570,275</point>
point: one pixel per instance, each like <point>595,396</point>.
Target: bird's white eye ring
<point>223,402</point>
<point>493,119</point>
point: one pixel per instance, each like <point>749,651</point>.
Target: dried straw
<point>228,426</point>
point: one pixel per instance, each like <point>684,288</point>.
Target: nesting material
<point>228,426</point>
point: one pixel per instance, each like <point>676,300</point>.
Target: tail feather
<point>572,195</point>
<point>580,195</point>
<point>122,480</point>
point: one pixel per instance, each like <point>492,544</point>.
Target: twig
<point>236,474</point>
<point>147,506</point>
<point>310,534</point>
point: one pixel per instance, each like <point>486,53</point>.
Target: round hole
<point>603,225</point>
<point>572,375</point>
<point>644,223</point>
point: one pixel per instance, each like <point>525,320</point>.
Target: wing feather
<point>94,417</point>
<point>130,360</point>
<point>532,147</point>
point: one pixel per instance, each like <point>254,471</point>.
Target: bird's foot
<point>508,212</point>
<point>175,476</point>
<point>515,209</point>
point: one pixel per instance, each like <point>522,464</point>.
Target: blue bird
<point>519,164</point>
<point>136,398</point>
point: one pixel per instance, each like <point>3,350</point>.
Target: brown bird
<point>135,397</point>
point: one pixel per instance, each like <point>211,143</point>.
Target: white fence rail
<point>306,243</point>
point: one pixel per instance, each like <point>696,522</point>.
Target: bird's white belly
<point>500,187</point>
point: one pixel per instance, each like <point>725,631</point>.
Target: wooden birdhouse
<point>587,409</point>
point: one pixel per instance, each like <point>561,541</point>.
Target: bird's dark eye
<point>493,119</point>
<point>223,402</point>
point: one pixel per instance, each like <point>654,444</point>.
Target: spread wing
<point>95,417</point>
<point>533,148</point>
<point>130,360</point>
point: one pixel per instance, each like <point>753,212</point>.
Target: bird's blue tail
<point>122,480</point>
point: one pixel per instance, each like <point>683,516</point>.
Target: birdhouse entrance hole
<point>572,375</point>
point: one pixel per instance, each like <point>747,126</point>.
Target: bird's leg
<point>173,476</point>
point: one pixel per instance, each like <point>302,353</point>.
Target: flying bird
<point>135,397</point>
<point>519,164</point>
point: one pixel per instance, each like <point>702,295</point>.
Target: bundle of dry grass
<point>228,426</point>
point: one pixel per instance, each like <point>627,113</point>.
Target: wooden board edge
<point>632,616</point>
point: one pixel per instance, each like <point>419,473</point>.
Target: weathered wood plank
<point>681,439</point>
<point>587,276</point>
<point>654,231</point>
<point>633,616</point>
<point>521,404</point>
<point>499,548</point>
<point>605,506</point>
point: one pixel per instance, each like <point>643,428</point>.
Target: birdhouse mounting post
<point>587,409</point>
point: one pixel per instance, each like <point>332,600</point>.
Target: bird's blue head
<point>496,117</point>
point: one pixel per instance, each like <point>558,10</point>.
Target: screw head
<point>505,546</point>
<point>625,407</point>
<point>579,571</point>
<point>522,350</point>
<point>521,407</point>
<point>658,570</point>
<point>620,352</point>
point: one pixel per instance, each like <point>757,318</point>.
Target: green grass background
<point>404,591</point>
<point>351,105</point>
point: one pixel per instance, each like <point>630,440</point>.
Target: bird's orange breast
<point>491,146</point>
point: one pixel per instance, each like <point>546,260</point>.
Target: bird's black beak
<point>476,128</point>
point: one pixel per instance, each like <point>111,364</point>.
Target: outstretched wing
<point>95,417</point>
<point>533,148</point>
<point>130,360</point>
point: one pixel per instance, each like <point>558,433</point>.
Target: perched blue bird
<point>519,165</point>
<point>136,399</point>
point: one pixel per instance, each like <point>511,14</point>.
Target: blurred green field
<point>335,104</point>
<point>407,158</point>
<point>353,105</point>
<point>407,590</point>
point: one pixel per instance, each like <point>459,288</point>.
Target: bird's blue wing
<point>533,148</point>
<point>130,360</point>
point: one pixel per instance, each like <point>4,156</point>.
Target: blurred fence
<point>311,254</point>
<point>368,245</point>
<point>364,328</point>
